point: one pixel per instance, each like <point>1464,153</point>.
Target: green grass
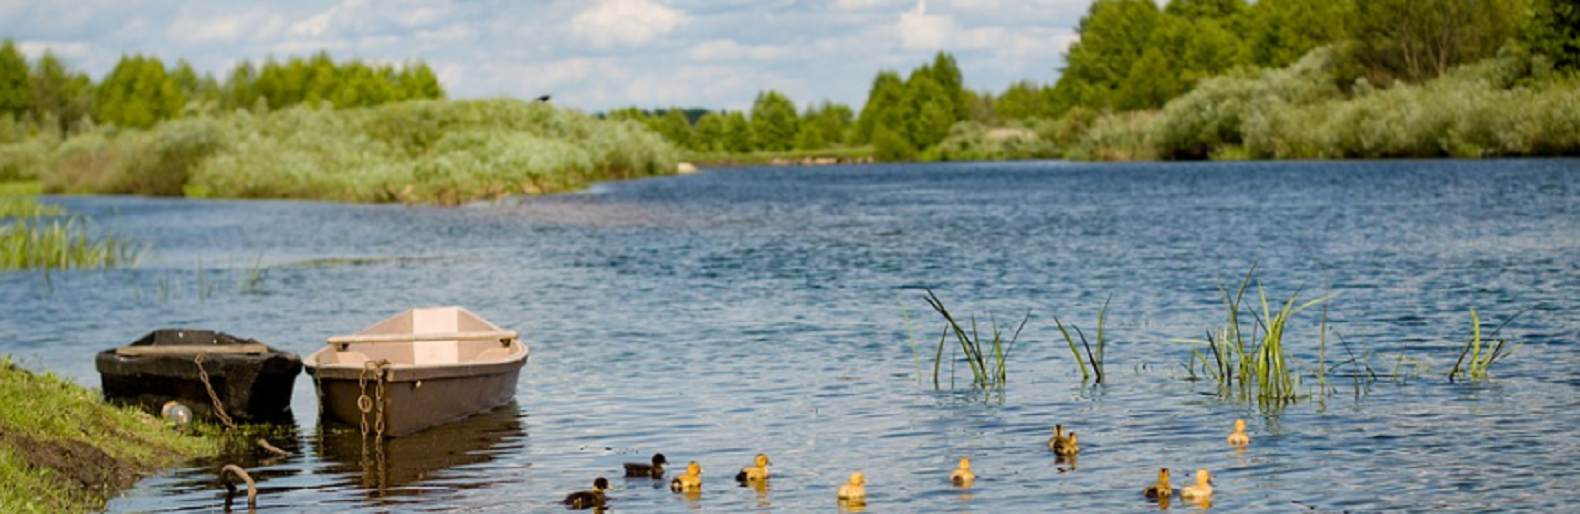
<point>987,357</point>
<point>1255,365</point>
<point>1478,356</point>
<point>44,407</point>
<point>74,242</point>
<point>1094,359</point>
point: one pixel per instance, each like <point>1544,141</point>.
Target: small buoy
<point>177,414</point>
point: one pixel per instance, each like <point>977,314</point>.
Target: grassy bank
<point>444,152</point>
<point>1505,106</point>
<point>62,449</point>
<point>716,159</point>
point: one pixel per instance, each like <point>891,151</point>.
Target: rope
<point>230,488</point>
<point>262,443</point>
<point>219,408</point>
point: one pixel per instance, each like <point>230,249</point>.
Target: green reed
<point>62,244</point>
<point>1095,359</point>
<point>21,206</point>
<point>988,357</point>
<point>1481,355</point>
<point>1255,365</point>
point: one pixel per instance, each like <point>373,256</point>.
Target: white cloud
<point>921,31</point>
<point>725,49</point>
<point>66,50</point>
<point>626,22</point>
<point>865,4</point>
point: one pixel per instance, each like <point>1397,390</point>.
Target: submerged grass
<point>62,449</point>
<point>988,357</point>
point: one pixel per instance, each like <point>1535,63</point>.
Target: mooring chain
<point>230,488</point>
<point>219,408</point>
<point>364,403</point>
<point>378,421</point>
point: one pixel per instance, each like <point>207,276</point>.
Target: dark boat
<point>251,380</point>
<point>420,368</point>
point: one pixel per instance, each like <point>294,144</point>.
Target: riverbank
<point>62,449</point>
<point>418,152</point>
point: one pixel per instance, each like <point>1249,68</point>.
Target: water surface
<point>714,316</point>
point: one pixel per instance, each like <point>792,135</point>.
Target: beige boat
<point>436,365</point>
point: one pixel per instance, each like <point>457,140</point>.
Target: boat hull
<point>252,387</point>
<point>416,399</point>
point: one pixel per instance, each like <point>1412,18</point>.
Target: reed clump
<point>73,242</point>
<point>988,357</point>
<point>1093,362</point>
<point>1478,356</point>
<point>1255,364</point>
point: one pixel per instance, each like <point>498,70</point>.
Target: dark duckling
<point>655,470</point>
<point>1160,490</point>
<point>588,499</point>
<point>757,472</point>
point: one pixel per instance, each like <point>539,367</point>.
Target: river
<point>743,310</point>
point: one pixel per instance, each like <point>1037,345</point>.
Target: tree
<point>139,93</point>
<point>708,134</point>
<point>1193,10</point>
<point>884,107</point>
<point>14,93</point>
<point>1113,36</point>
<point>56,93</point>
<point>1151,83</point>
<point>1554,31</point>
<point>824,125</point>
<point>946,73</point>
<point>1279,32</point>
<point>1023,100</point>
<point>737,133</point>
<point>931,108</point>
<point>774,121</point>
<point>1416,40</point>
<point>674,127</point>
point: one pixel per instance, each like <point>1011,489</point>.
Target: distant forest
<point>1122,92</point>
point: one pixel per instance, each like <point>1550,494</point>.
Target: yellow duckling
<point>1238,438</point>
<point>588,499</point>
<point>1058,440</point>
<point>962,476</point>
<point>856,490</point>
<point>1160,490</point>
<point>1069,448</point>
<point>1201,491</point>
<point>691,481</point>
<point>757,472</point>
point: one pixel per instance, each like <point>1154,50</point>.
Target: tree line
<point>141,91</point>
<point>1134,55</point>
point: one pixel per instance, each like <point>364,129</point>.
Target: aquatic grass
<point>27,207</point>
<point>988,358</point>
<point>1256,365</point>
<point>1095,359</point>
<point>1481,355</point>
<point>74,242</point>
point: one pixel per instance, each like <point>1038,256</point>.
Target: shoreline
<point>64,449</point>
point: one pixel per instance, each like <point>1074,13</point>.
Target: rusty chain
<point>219,408</point>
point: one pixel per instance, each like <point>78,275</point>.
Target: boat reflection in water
<point>430,458</point>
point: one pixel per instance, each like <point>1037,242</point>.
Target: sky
<point>594,55</point>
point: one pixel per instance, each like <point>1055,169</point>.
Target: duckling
<point>1201,491</point>
<point>962,476</point>
<point>757,472</point>
<point>1160,490</point>
<point>1058,439</point>
<point>689,482</point>
<point>856,490</point>
<point>588,499</point>
<point>1238,438</point>
<point>655,470</point>
<point>1069,448</point>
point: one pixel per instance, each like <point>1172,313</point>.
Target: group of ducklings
<point>1065,446</point>
<point>1202,491</point>
<point>688,482</point>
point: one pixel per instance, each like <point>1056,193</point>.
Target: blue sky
<point>591,54</point>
